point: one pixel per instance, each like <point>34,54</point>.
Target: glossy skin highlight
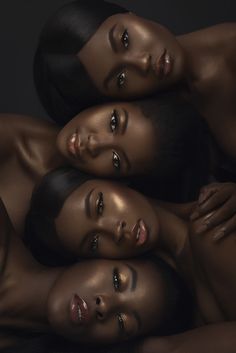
<point>135,57</point>
<point>107,219</point>
<point>123,300</point>
<point>115,140</point>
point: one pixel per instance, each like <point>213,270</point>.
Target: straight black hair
<point>62,83</point>
<point>46,203</point>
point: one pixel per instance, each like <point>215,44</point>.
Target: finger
<point>207,191</point>
<point>220,216</point>
<point>214,201</point>
<point>225,229</point>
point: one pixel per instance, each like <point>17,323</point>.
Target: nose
<point>98,142</point>
<point>103,307</point>
<point>119,231</point>
<point>141,60</point>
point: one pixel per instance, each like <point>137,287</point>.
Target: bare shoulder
<point>217,261</point>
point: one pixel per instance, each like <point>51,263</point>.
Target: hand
<point>217,208</point>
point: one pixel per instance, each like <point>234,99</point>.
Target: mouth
<point>79,312</point>
<point>163,65</point>
<point>140,232</point>
<point>74,145</point>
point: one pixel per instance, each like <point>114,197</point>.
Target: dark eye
<point>100,204</point>
<point>94,243</point>
<point>125,39</point>
<point>114,121</point>
<point>116,161</point>
<point>116,279</point>
<point>120,323</point>
<point>121,77</point>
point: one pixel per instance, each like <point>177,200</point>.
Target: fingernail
<point>209,215</point>
<point>219,234</point>
<point>194,215</point>
<point>202,197</point>
<point>201,229</point>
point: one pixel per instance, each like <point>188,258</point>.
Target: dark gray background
<point>21,21</point>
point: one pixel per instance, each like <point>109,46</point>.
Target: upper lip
<point>74,144</point>
<point>79,311</point>
<point>140,232</point>
<point>159,64</point>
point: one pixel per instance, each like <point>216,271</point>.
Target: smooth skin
<point>137,57</point>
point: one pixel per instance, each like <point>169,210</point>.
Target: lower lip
<point>73,145</point>
<point>142,233</point>
<point>163,65</point>
<point>79,312</point>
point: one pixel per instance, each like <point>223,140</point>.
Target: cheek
<point>100,165</point>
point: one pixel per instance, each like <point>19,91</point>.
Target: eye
<point>116,279</point>
<point>120,323</point>
<point>94,243</point>
<point>116,161</point>
<point>114,120</point>
<point>100,204</point>
<point>125,39</point>
<point>121,78</point>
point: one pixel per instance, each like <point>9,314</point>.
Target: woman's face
<point>107,219</point>
<point>110,140</point>
<point>129,57</point>
<point>105,301</point>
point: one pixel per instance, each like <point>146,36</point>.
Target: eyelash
<point>120,323</point>
<point>125,39</point>
<point>116,279</point>
<point>114,121</point>
<point>121,79</point>
<point>116,161</point>
<point>100,204</point>
<point>94,243</point>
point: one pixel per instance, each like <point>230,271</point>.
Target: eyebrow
<point>112,39</point>
<point>125,121</point>
<point>87,204</point>
<point>134,277</point>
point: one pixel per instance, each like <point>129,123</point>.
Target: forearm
<point>217,338</point>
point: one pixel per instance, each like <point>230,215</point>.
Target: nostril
<point>98,301</point>
<point>123,224</point>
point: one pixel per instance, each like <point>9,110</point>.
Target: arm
<point>217,338</point>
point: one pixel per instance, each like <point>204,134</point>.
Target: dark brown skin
<point>127,49</point>
<point>125,299</point>
<point>29,148</point>
<point>211,273</point>
<point>26,154</point>
<point>212,304</point>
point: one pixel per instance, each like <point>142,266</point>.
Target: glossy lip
<point>74,145</point>
<point>140,232</point>
<point>163,65</point>
<point>79,312</point>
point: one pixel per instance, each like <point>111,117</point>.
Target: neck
<point>173,232</point>
<point>200,48</point>
<point>24,289</point>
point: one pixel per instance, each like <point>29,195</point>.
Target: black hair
<point>62,83</point>
<point>182,157</point>
<point>47,201</point>
<point>176,319</point>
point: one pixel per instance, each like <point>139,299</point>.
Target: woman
<point>96,301</point>
<point>97,219</point>
<point>103,140</point>
<point>135,57</point>
<point>73,215</point>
